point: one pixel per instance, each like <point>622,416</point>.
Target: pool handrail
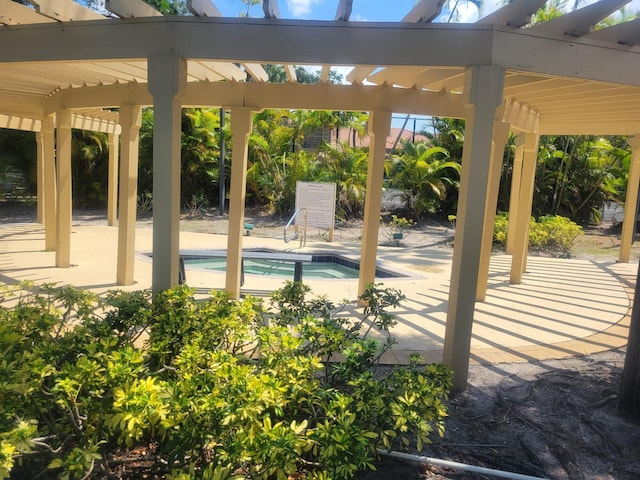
<point>297,234</point>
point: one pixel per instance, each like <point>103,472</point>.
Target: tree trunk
<point>630,392</point>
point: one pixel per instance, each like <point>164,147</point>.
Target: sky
<point>363,10</point>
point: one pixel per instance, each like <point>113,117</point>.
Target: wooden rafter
<point>131,8</point>
<point>344,10</point>
<point>64,10</point>
<point>203,8</point>
<point>579,22</point>
<point>13,13</point>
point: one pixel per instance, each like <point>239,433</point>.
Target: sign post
<point>319,201</point>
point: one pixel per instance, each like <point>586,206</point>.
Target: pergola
<point>63,66</point>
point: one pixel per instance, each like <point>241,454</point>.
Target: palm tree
<point>89,166</point>
<point>200,153</point>
<point>577,174</point>
<point>424,174</point>
<point>347,168</point>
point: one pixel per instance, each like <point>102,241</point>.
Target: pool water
<point>277,268</point>
<point>321,267</point>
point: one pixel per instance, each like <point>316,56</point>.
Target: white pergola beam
<point>579,22</point>
<point>359,74</point>
<point>515,14</point>
<point>627,33</point>
<point>291,73</point>
<point>64,10</point>
<point>203,8</point>
<point>520,117</point>
<point>93,124</point>
<point>13,13</point>
<point>131,8</point>
<point>81,122</point>
<point>424,11</point>
<point>257,71</point>
<point>344,10</point>
<point>368,45</point>
<point>324,73</point>
<point>259,95</point>
<point>588,128</point>
<point>20,123</point>
<point>270,9</point>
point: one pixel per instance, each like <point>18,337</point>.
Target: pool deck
<point>562,308</point>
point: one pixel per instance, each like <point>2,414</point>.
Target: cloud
<point>301,8</point>
<point>468,13</point>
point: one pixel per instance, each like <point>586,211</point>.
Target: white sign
<point>319,200</point>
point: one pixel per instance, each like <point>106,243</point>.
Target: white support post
<point>483,90</point>
<point>241,123</point>
<point>130,119</point>
<point>500,137</point>
<point>514,196</point>
<point>631,204</point>
<point>50,194</point>
<point>525,203</point>
<point>64,201</point>
<point>39,178</point>
<point>167,78</point>
<point>379,126</point>
<point>112,181</point>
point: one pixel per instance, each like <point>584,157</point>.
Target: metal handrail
<point>297,234</point>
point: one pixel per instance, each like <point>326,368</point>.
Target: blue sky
<point>363,10</point>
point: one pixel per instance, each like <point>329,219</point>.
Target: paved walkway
<point>562,308</point>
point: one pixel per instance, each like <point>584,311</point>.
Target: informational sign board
<point>319,200</point>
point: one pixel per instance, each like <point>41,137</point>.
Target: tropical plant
<point>89,168</point>
<point>169,7</point>
<point>221,389</point>
<point>395,229</point>
<point>347,168</point>
<point>18,159</point>
<point>550,234</point>
<point>424,175</point>
<point>575,175</point>
<point>200,154</point>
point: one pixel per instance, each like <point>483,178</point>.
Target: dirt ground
<point>555,419</point>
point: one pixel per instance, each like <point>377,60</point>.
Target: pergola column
<point>112,182</point>
<point>167,77</point>
<point>130,120</point>
<point>525,203</point>
<point>49,179</point>
<point>379,126</point>
<point>514,196</point>
<point>500,137</point>
<point>39,178</point>
<point>63,204</point>
<point>241,122</point>
<point>483,87</point>
<point>631,204</point>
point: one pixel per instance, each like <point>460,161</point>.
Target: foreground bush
<point>221,389</point>
<point>550,233</point>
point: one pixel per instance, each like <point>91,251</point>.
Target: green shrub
<point>222,389</point>
<point>550,233</point>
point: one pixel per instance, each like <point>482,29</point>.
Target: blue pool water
<point>321,267</point>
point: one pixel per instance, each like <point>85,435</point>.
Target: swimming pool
<point>322,266</point>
